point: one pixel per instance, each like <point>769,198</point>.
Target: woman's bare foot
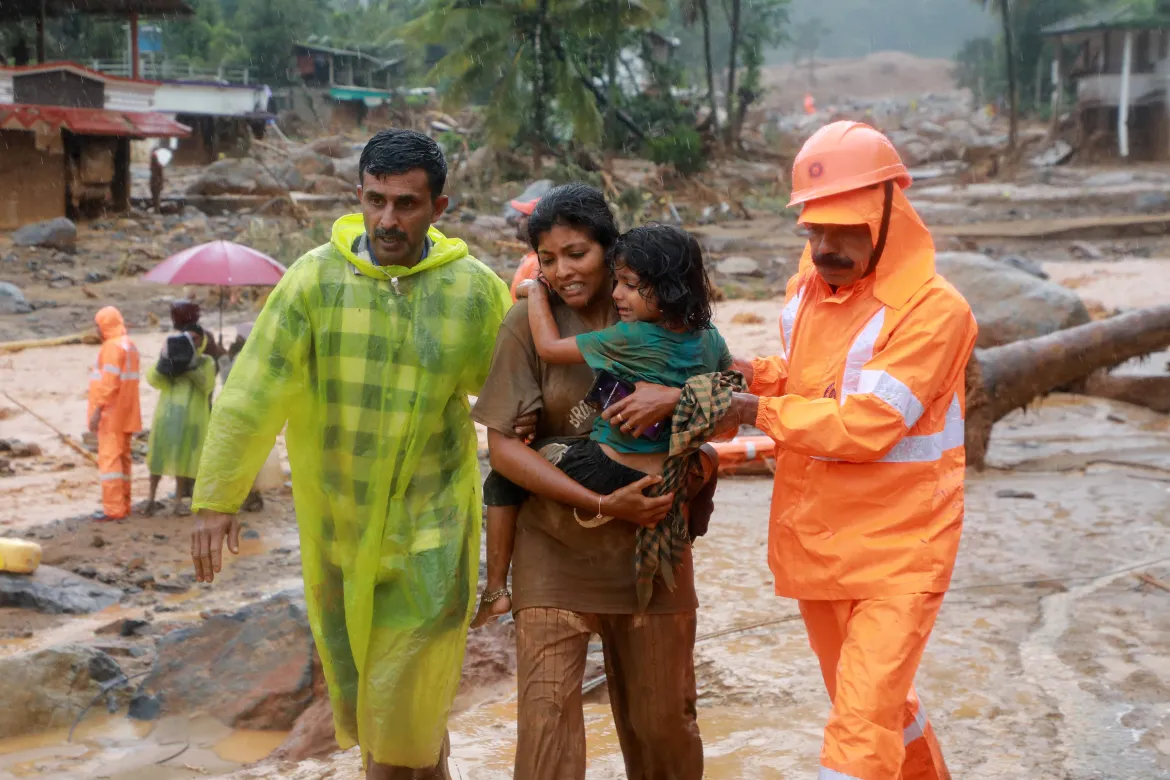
<point>150,507</point>
<point>493,611</point>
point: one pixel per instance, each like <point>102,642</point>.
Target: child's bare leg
<point>501,536</point>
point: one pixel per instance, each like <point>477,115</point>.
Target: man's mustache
<point>382,234</point>
<point>832,261</point>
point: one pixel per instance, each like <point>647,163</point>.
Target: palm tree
<point>1003,8</point>
<point>513,55</point>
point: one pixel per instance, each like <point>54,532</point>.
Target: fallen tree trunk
<point>81,337</point>
<point>1002,379</point>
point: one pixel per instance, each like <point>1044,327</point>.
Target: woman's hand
<point>630,504</point>
<point>648,405</point>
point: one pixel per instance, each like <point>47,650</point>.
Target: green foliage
<point>528,60</point>
<point>981,63</point>
<point>682,147</point>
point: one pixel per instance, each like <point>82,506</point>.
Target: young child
<point>665,336</point>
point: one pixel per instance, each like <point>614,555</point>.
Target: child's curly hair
<point>669,265</point>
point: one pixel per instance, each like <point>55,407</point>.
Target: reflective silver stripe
<point>95,374</point>
<point>925,449</point>
<point>130,375</point>
<point>788,321</point>
<point>108,477</point>
<point>110,368</point>
<point>833,774</point>
<point>860,353</point>
<point>894,392</point>
<point>917,729</point>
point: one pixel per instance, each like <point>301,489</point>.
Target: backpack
<point>178,356</point>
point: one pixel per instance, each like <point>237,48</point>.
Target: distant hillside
<point>927,28</point>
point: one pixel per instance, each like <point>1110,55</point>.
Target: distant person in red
<point>810,104</point>
<point>530,265</point>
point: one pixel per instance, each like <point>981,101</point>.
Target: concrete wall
<point>209,99</point>
<point>32,183</point>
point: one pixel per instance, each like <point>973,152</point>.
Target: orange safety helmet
<point>844,156</point>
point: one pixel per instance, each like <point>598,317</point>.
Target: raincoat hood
<point>349,228</point>
<point>110,323</point>
<point>907,262</point>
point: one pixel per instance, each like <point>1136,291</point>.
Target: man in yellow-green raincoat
<point>368,348</point>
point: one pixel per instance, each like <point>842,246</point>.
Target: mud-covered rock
<point>58,233</point>
<point>347,168</point>
<point>252,669</point>
<point>49,689</point>
<point>1010,304</point>
<point>232,176</point>
<point>12,300</point>
<point>330,185</point>
<point>739,265</point>
<point>55,591</point>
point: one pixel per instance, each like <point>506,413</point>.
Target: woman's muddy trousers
<point>869,652</point>
<point>649,667</point>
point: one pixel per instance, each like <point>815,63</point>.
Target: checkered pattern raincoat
<point>371,368</point>
<point>180,419</point>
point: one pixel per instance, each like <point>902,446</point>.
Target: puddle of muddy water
<point>114,747</point>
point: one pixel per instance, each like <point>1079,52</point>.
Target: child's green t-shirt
<point>645,352</point>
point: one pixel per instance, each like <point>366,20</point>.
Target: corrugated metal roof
<point>31,9</point>
<point>90,121</point>
<point>80,70</point>
<point>1113,16</point>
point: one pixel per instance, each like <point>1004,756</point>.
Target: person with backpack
<point>185,377</point>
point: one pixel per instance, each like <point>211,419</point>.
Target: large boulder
<point>251,669</point>
<point>49,689</point>
<point>313,164</point>
<point>55,591</point>
<point>1010,304</point>
<point>12,300</point>
<point>57,233</point>
<point>347,168</point>
<point>235,176</point>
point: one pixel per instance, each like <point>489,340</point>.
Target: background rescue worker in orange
<point>866,404</point>
<point>529,265</point>
<point>114,414</point>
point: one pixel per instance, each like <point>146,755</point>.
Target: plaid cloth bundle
<point>704,402</point>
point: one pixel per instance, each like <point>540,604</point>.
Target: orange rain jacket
<point>113,382</point>
<point>866,405</point>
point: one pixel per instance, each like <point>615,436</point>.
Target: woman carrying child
<point>573,573</point>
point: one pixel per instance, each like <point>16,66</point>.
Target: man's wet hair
<point>573,205</point>
<point>394,152</point>
<point>669,264</point>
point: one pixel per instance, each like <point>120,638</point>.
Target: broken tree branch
<point>65,438</point>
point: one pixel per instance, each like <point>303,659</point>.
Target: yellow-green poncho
<point>371,368</point>
<point>180,419</point>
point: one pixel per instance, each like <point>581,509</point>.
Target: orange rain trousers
<point>869,652</point>
<point>113,388</point>
<point>114,467</point>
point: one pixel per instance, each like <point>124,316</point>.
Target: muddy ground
<point>1049,659</point>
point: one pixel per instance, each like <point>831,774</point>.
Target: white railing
<point>173,71</point>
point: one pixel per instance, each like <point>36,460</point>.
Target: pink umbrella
<point>220,264</point>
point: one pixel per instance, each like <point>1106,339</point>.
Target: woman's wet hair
<point>669,265</point>
<point>577,206</point>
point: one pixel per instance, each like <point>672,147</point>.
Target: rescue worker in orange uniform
<point>530,265</point>
<point>114,414</point>
<point>865,402</point>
